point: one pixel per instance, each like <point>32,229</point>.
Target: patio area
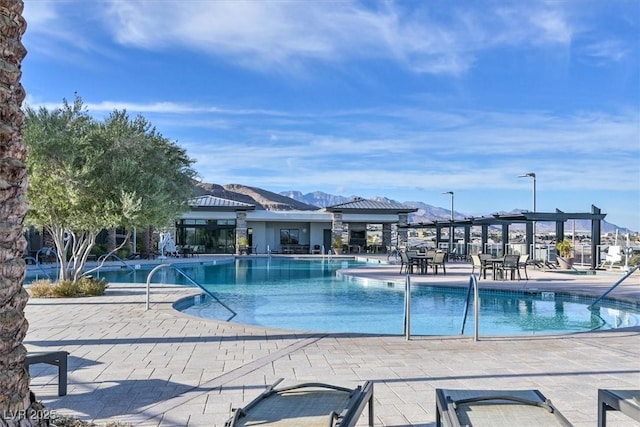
<point>163,368</point>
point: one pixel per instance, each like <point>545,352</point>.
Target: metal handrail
<point>48,250</point>
<point>407,308</point>
<point>466,308</point>
<point>615,285</point>
<point>193,282</point>
<point>37,264</point>
<point>105,257</point>
<point>473,285</point>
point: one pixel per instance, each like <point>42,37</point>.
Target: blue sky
<point>404,99</point>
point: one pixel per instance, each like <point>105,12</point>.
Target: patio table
<point>422,261</point>
<point>495,262</point>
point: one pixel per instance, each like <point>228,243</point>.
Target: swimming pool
<point>305,295</point>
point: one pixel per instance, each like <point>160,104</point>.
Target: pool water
<point>305,295</point>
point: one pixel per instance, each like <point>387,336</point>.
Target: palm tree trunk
<point>15,403</point>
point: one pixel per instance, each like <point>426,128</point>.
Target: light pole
<point>451,228</point>
<point>532,175</point>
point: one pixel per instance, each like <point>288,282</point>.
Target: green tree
<point>87,175</point>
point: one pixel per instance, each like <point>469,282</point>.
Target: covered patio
<point>504,221</point>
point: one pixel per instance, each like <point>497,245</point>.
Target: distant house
<point>215,225</point>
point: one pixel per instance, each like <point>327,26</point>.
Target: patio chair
<point>509,265</point>
<point>405,263</point>
<point>486,264</point>
<point>438,261</point>
<point>496,408</point>
<point>522,263</point>
<point>625,401</point>
<point>409,260</point>
<point>476,263</point>
<point>308,404</point>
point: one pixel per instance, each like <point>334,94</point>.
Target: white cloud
<point>285,35</point>
<point>579,152</point>
<point>605,51</point>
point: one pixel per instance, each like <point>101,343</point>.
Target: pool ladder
<point>102,259</point>
<point>615,285</point>
<point>473,287</point>
<point>191,280</point>
<point>36,260</point>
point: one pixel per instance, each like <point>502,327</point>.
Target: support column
<point>336,227</point>
<point>505,238</point>
<point>595,238</point>
<point>403,233</point>
<point>529,238</point>
<point>467,239</point>
<point>386,235</point>
<point>438,236</point>
<point>559,228</point>
<point>484,237</point>
<point>241,230</point>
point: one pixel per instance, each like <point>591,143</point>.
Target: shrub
<point>565,248</point>
<point>41,288</point>
<point>90,286</point>
<point>85,286</point>
<point>65,289</point>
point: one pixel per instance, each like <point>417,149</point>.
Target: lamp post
<point>532,175</point>
<point>451,228</point>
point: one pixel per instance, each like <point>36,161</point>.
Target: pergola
<point>527,218</point>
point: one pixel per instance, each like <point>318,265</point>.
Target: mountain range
<point>426,212</point>
<point>296,200</point>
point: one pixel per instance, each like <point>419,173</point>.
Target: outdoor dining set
<point>507,267</point>
<point>420,262</point>
<point>502,268</point>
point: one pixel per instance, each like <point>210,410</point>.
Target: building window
<point>207,236</point>
<point>289,236</point>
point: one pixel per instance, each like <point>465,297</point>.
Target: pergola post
<point>529,238</point>
<point>386,236</point>
<point>505,237</point>
<point>559,228</point>
<point>467,239</point>
<point>595,237</point>
<point>403,231</point>
<point>485,236</point>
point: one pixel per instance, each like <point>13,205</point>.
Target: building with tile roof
<point>218,225</point>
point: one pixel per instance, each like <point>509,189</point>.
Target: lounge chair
<point>625,401</point>
<point>496,408</point>
<point>308,404</point>
<point>614,255</point>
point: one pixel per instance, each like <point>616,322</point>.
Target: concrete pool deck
<point>164,368</point>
